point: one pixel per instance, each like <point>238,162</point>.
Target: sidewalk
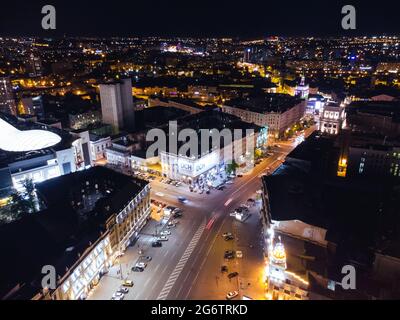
<point>121,270</point>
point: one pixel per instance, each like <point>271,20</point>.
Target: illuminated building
<point>117,104</point>
<point>276,111</point>
<point>302,90</point>
<point>91,225</point>
<point>37,151</point>
<point>7,100</point>
<point>280,283</point>
<point>34,66</point>
<point>204,165</point>
<point>331,118</point>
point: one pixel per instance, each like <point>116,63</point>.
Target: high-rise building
<point>117,104</point>
<point>7,101</point>
<point>34,65</point>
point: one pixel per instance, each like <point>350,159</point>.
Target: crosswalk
<point>181,264</point>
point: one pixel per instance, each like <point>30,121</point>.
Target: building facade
<point>331,118</point>
<point>7,100</point>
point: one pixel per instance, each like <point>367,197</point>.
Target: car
<point>231,295</point>
<point>165,233</point>
<point>227,236</point>
<point>137,269</point>
<point>208,192</point>
<point>177,210</point>
<point>178,215</point>
<point>229,182</point>
<point>229,254</point>
<point>277,146</point>
<point>159,194</point>
<point>118,296</point>
<point>182,199</point>
<point>156,244</point>
<point>239,175</point>
<point>147,258</point>
<point>123,290</point>
<point>239,254</point>
<point>224,269</point>
<point>162,238</point>
<point>127,283</point>
<point>251,200</point>
<point>171,224</point>
<point>141,265</point>
<point>233,275</point>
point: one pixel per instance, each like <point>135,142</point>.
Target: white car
<point>231,295</point>
<point>239,254</point>
<point>165,233</point>
<point>162,238</point>
<point>118,296</point>
<point>141,265</point>
<point>159,194</point>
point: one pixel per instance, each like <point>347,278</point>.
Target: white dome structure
<point>14,140</point>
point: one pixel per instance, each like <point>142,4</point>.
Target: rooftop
<point>69,221</point>
<point>265,103</point>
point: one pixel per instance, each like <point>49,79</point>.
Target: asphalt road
<point>188,264</point>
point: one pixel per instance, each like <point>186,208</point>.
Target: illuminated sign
<point>196,167</point>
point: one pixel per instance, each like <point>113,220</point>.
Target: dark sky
<point>246,18</point>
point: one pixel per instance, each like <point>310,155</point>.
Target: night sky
<point>246,18</point>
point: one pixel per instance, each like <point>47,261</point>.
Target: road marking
<point>155,270</point>
<point>166,253</point>
<point>147,282</point>
<point>181,264</point>
<point>228,202</point>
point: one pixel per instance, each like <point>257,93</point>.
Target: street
<point>188,265</point>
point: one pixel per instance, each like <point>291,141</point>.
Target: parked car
<point>123,290</point>
<point>118,296</point>
<point>182,199</point>
<point>228,236</point>
<point>233,275</point>
<point>127,283</point>
<point>224,269</point>
<point>156,244</point>
<point>239,175</point>
<point>239,254</point>
<point>231,295</point>
<point>229,254</point>
<point>147,258</point>
<point>165,233</point>
<point>141,265</point>
<point>162,238</point>
<point>178,214</point>
<point>137,269</point>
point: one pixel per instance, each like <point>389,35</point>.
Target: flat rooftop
<point>265,103</point>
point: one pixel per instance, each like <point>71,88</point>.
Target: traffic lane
<point>209,256</point>
<point>213,246</point>
<point>192,270</point>
<point>151,281</point>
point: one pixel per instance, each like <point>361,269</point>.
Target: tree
<point>29,186</point>
<point>231,167</point>
<point>18,204</point>
<point>257,153</point>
